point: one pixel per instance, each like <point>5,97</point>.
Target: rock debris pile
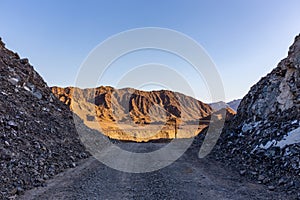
<point>37,135</point>
<point>263,139</point>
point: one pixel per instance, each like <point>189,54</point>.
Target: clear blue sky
<point>245,39</point>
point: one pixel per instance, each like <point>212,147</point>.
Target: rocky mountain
<point>263,139</point>
<point>111,108</point>
<point>37,135</point>
<point>218,105</point>
<point>233,105</point>
<point>141,107</point>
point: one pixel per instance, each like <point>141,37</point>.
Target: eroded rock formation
<point>158,113</point>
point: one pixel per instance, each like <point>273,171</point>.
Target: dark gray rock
<point>271,188</point>
<point>38,138</point>
<point>269,111</point>
<point>243,172</point>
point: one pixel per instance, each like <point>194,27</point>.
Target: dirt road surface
<point>187,178</point>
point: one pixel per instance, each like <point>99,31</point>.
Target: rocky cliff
<point>37,135</point>
<point>263,139</point>
<point>139,106</point>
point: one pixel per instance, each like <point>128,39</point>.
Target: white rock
<point>268,145</point>
<point>247,127</point>
<point>14,81</point>
<point>26,88</point>
<point>292,137</point>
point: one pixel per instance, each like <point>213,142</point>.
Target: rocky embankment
<point>37,135</point>
<point>263,139</point>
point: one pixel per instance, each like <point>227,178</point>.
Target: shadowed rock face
<point>276,97</point>
<point>37,135</point>
<point>266,115</point>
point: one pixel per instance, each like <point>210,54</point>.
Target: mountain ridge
<point>111,108</point>
<point>169,99</point>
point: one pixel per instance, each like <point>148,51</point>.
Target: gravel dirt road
<point>187,178</point>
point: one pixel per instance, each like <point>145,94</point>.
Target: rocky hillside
<point>263,139</point>
<point>232,105</point>
<point>134,109</point>
<point>139,106</point>
<point>37,135</point>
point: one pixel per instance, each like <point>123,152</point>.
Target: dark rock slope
<point>263,139</point>
<point>37,134</point>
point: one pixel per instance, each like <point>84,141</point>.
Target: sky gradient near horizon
<point>245,39</point>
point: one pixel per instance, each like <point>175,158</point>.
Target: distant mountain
<point>140,107</point>
<point>221,104</point>
<point>111,108</point>
<point>218,105</point>
<point>234,104</point>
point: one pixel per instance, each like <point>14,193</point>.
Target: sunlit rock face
<point>130,114</point>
